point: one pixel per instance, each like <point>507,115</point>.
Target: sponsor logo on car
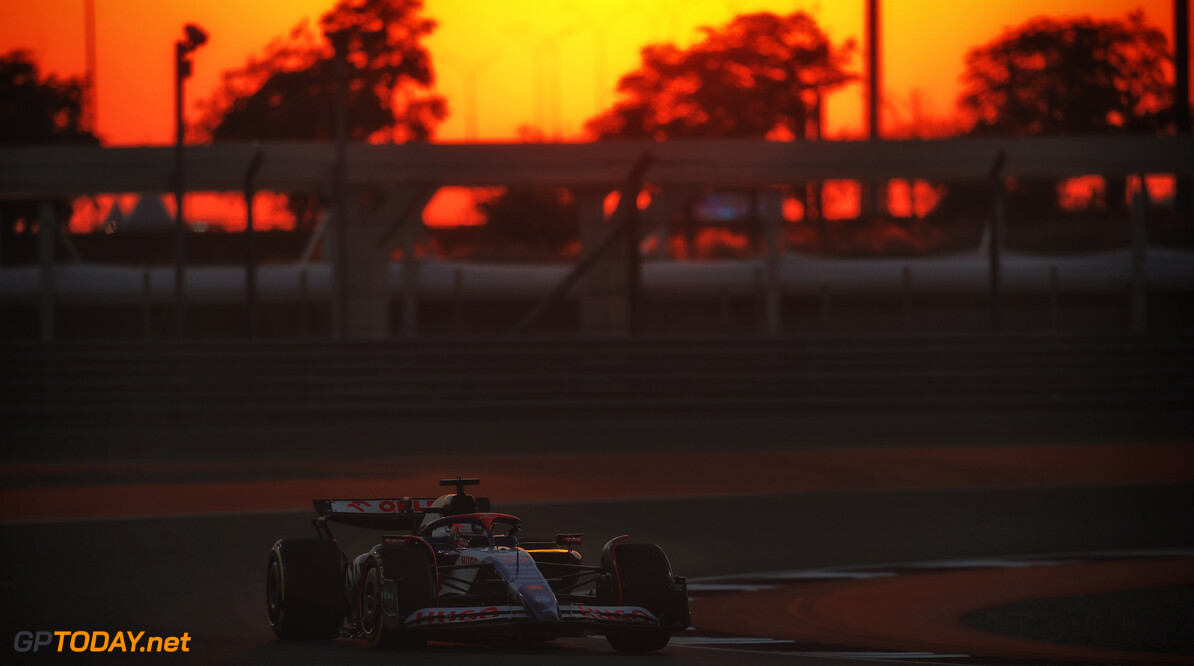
<point>612,614</point>
<point>430,616</point>
<point>379,506</point>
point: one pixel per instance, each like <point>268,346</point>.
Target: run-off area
<point>204,575</point>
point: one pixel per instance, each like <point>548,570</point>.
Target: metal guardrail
<point>34,171</point>
<point>406,170</point>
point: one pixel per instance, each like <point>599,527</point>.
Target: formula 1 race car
<point>463,575</point>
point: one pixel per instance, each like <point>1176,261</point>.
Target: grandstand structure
<point>387,187</point>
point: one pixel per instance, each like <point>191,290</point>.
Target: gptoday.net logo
<point>98,641</point>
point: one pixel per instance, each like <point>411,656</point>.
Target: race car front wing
<point>492,615</point>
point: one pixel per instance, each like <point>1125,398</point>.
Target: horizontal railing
<point>33,171</point>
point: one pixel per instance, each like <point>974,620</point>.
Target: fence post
<point>458,302</point>
<point>996,240</point>
<point>725,307</point>
<point>251,244</point>
<point>47,224</point>
<point>1139,246</point>
<point>623,221</point>
<point>1054,319</point>
<point>906,300</point>
<point>410,281</point>
<point>770,206</point>
<point>760,300</point>
<point>304,316</point>
<point>146,306</point>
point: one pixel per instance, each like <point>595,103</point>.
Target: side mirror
<point>569,541</point>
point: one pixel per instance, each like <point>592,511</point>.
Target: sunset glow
<point>510,72</point>
<point>544,64</point>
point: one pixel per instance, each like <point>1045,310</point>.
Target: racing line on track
<point>913,611</point>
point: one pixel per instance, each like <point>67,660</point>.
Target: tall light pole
<point>1181,41</point>
<point>545,57</point>
<point>1181,97</point>
<point>469,73</point>
<point>90,111</point>
<point>874,192</point>
<point>339,257</point>
<point>194,38</point>
<point>872,68</point>
<point>600,29</point>
<point>536,51</point>
<point>600,25</point>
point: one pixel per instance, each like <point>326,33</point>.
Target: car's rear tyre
<point>304,589</point>
<point>643,577</point>
<point>410,569</point>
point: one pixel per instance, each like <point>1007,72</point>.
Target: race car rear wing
<point>384,514</point>
<point>396,514</point>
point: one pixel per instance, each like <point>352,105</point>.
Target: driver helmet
<point>460,535</point>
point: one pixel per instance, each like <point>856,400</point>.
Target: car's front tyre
<point>304,589</point>
<point>640,575</point>
<point>398,578</point>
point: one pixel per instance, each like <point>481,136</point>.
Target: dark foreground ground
<point>1152,620</point>
<point>202,574</point>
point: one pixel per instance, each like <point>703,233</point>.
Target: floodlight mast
<point>194,38</point>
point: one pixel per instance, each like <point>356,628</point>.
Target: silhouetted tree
<point>37,111</point>
<point>759,75</point>
<point>1071,76</point>
<point>1075,76</point>
<point>290,91</point>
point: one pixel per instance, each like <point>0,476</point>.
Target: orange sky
<point>502,45</point>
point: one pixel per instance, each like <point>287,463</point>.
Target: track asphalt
<point>46,491</point>
<point>189,562</point>
<point>921,607</point>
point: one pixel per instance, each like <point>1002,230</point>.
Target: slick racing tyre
<point>304,589</point>
<point>644,578</point>
<point>409,567</point>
